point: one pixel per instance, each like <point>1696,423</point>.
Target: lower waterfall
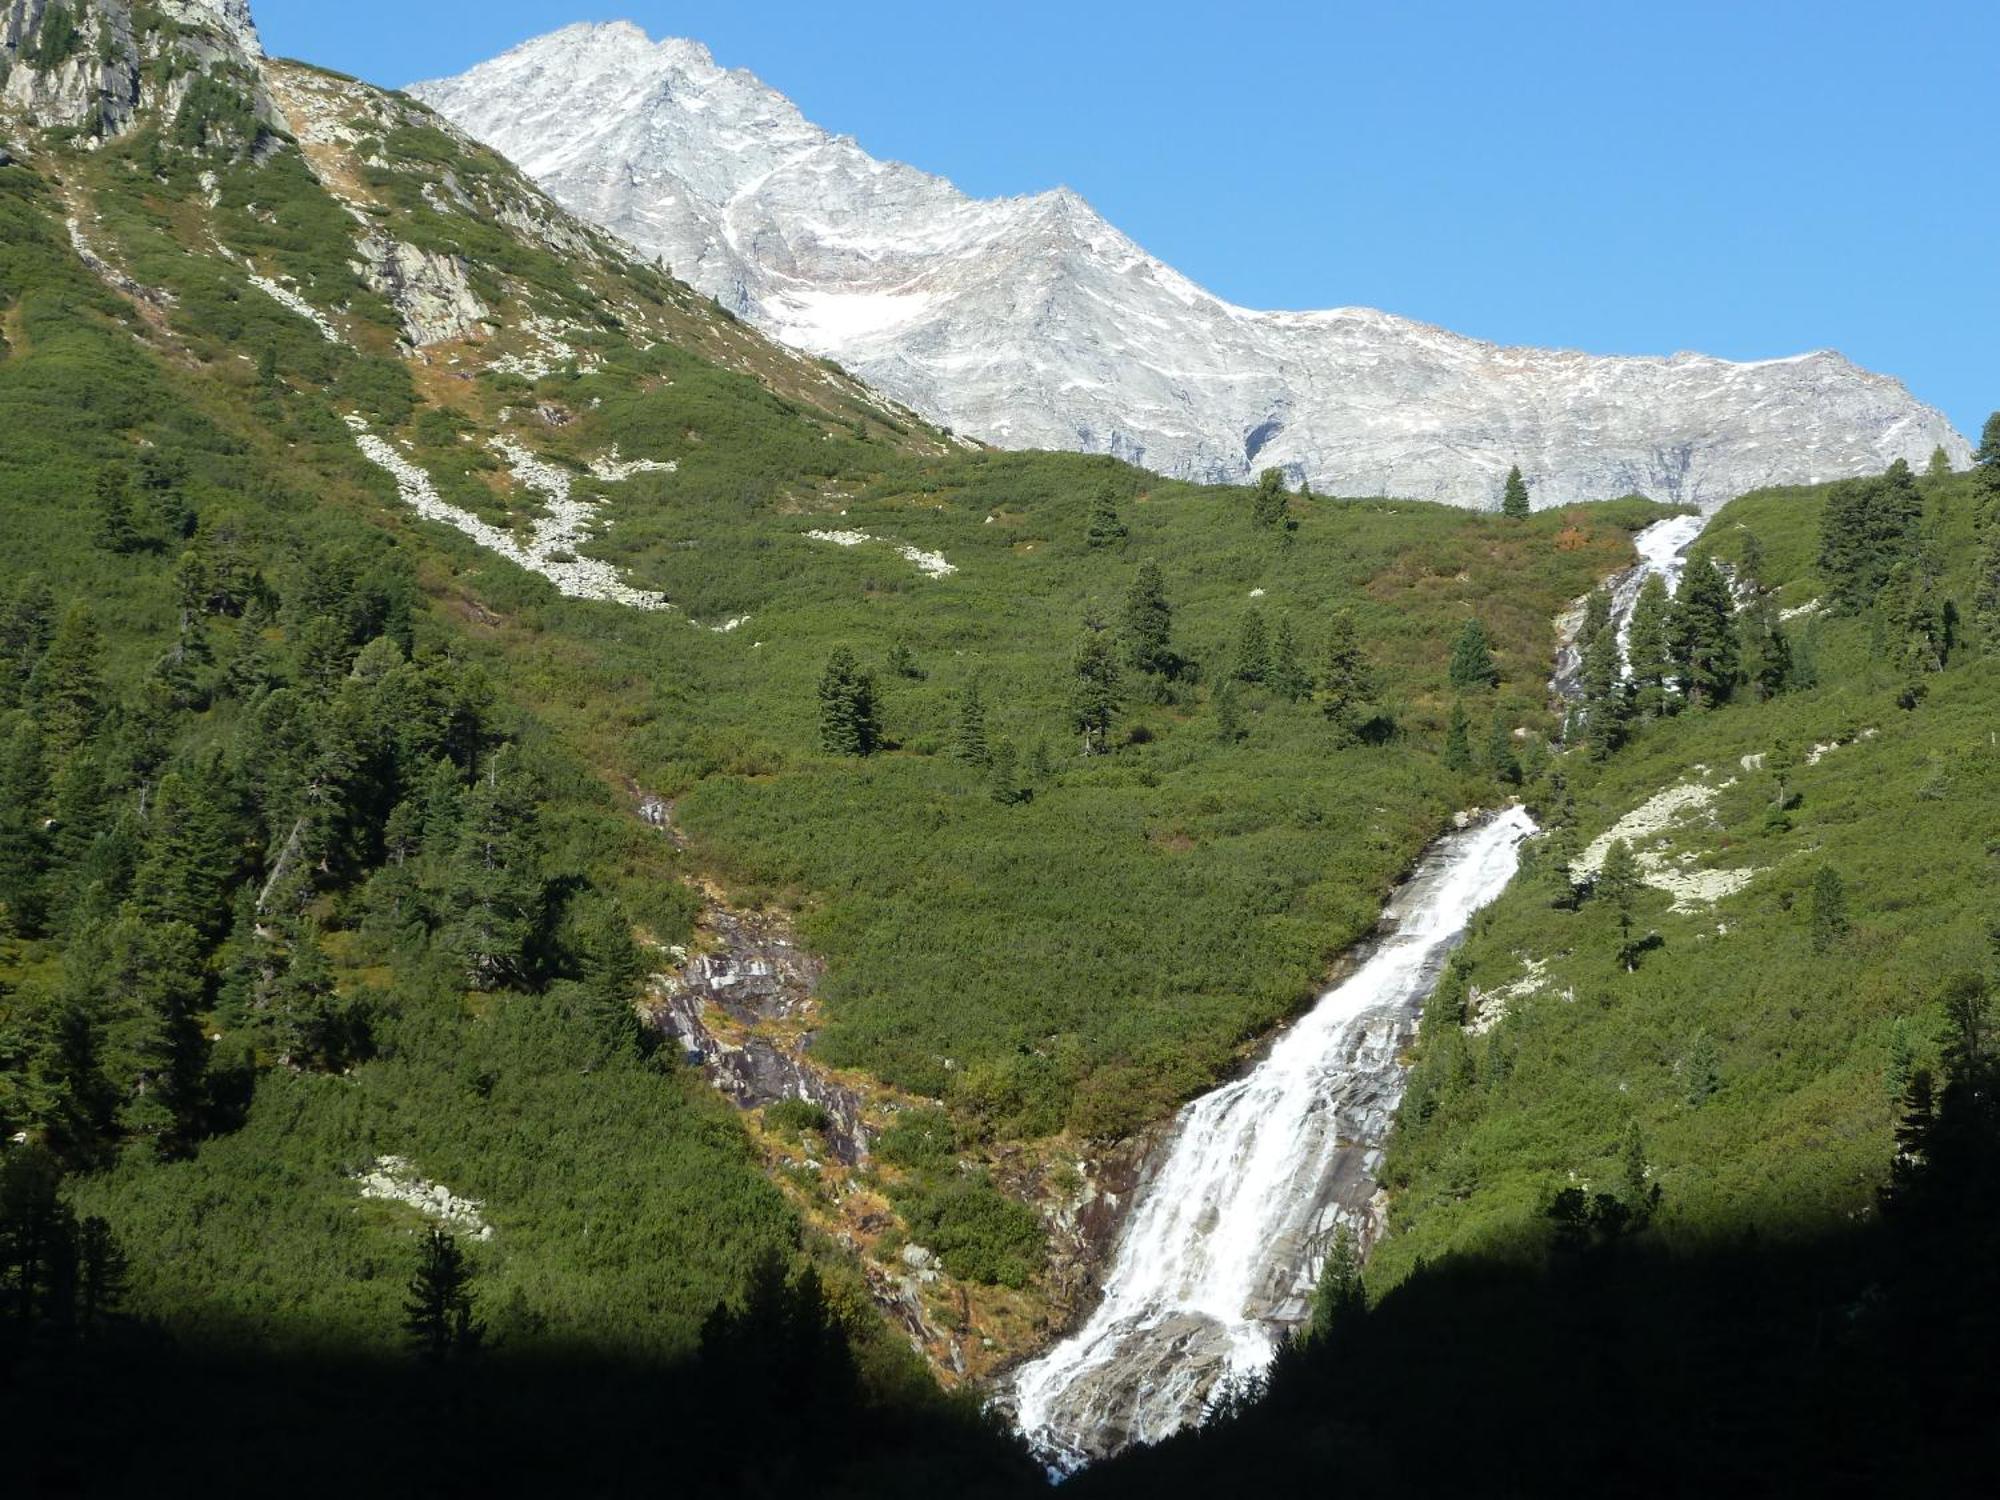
<point>1221,1251</point>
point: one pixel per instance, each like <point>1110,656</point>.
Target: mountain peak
<point>1033,322</point>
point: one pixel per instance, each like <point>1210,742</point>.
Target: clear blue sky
<point>1750,179</point>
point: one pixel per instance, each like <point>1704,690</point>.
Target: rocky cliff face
<point>1031,322</point>
<point>82,65</point>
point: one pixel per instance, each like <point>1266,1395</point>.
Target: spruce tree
<point>1287,676</point>
<point>1649,650</point>
<point>1253,649</point>
<point>1987,456</point>
<point>1094,682</point>
<point>498,898</point>
<point>1701,1071</point>
<point>1457,754</point>
<point>1514,496</point>
<point>1596,618</point>
<point>1940,464</point>
<point>1500,757</point>
<point>1346,679</point>
<point>116,531</point>
<point>307,1024</point>
<point>1270,503</point>
<point>969,742</point>
<point>27,625</point>
<point>1828,909</point>
<point>156,980</point>
<point>101,1274</point>
<point>1767,650</point>
<point>1472,665</point>
<point>1703,629</point>
<point>438,1316</point>
<point>1228,713</point>
<point>25,845</point>
<point>1340,1298</point>
<point>1617,884</point>
<point>1105,528</point>
<point>1149,622</point>
<point>1003,782</point>
<point>67,688</point>
<point>848,723</point>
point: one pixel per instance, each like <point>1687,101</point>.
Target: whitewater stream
<point>1663,550</point>
<point>1220,1253</point>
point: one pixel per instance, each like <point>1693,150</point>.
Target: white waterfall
<point>1663,549</point>
<point>1220,1253</point>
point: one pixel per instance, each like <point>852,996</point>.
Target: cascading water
<point>1663,549</point>
<point>1221,1251</point>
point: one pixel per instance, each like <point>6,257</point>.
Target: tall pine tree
<point>1514,496</point>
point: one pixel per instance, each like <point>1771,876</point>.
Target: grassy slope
<point>1084,960</point>
<point>1799,1132</point>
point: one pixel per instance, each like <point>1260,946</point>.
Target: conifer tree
<point>1940,464</point>
<point>1829,909</point>
<point>1340,1298</point>
<point>1094,682</point>
<point>1867,527</point>
<point>969,742</point>
<point>1003,782</point>
<point>116,529</point>
<point>1767,650</point>
<point>613,971</point>
<point>1618,884</point>
<point>1500,757</point>
<point>1106,529</point>
<point>156,978</point>
<point>101,1274</point>
<point>1701,1071</point>
<point>1472,665</point>
<point>1149,622</point>
<point>1457,741</point>
<point>1228,713</point>
<point>1270,504</point>
<point>67,689</point>
<point>1514,496</point>
<point>307,1025</point>
<point>1253,649</point>
<point>438,1316</point>
<point>1596,618</point>
<point>1703,631</point>
<point>27,625</point>
<point>1649,651</point>
<point>497,900</point>
<point>903,663</point>
<point>1987,455</point>
<point>1287,676</point>
<point>1347,681</point>
<point>848,723</point>
<point>24,838</point>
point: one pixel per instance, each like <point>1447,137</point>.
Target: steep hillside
<point>1695,1172</point>
<point>394,557</point>
<point>1032,323</point>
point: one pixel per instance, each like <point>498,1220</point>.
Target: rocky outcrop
<point>431,292</point>
<point>1032,323</point>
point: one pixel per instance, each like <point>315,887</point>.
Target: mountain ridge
<point>1031,321</point>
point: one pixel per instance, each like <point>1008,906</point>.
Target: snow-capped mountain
<point>1031,322</point>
